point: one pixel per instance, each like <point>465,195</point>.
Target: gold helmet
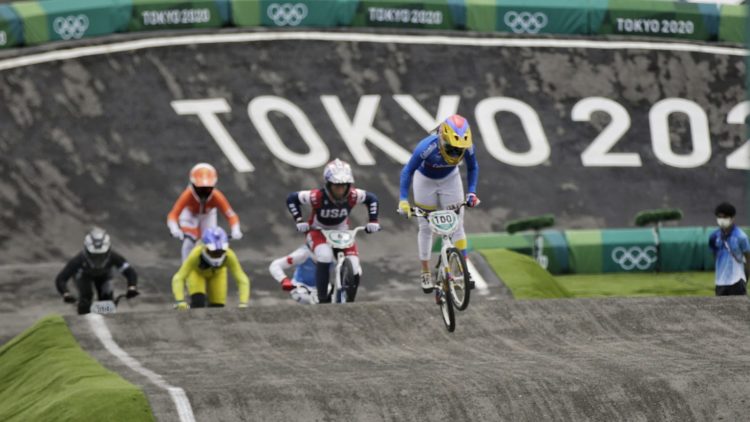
<point>454,137</point>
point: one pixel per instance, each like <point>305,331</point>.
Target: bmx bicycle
<point>452,282</point>
<point>344,287</point>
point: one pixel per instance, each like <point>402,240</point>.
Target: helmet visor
<point>216,253</point>
<point>453,151</point>
<point>203,192</point>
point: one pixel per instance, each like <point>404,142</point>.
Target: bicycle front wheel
<point>446,306</point>
<point>348,282</point>
<point>458,279</point>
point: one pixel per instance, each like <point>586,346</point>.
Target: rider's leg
<point>425,197</point>
<point>85,294</point>
<point>189,224</point>
<point>323,257</point>
<point>217,288</point>
<point>197,290</point>
<point>104,289</point>
<point>352,254</point>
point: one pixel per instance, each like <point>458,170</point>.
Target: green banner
<point>660,19</point>
<point>533,16</point>
<point>11,28</point>
<point>434,14</point>
<point>732,20</point>
<point>165,14</point>
<point>627,250</point>
<point>682,249</point>
<point>52,20</point>
<point>585,251</point>
<point>299,13</point>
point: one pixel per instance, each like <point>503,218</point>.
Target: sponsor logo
<point>3,38</point>
<point>406,16</point>
<point>175,16</point>
<point>525,22</point>
<point>655,26</point>
<point>71,27</point>
<point>287,14</point>
<point>634,257</point>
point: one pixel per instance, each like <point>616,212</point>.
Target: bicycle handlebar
<point>419,212</point>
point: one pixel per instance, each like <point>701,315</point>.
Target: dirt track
<point>641,359</point>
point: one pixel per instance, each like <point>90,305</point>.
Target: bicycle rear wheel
<point>458,279</point>
<point>446,306</point>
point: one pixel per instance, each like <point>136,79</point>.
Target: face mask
<point>724,222</point>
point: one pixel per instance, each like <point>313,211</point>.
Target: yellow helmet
<point>454,138</point>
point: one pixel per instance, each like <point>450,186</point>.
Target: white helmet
<point>96,247</point>
<point>338,172</point>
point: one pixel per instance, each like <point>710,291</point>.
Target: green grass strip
<point>46,376</point>
<point>527,280</point>
<point>639,284</point>
<point>523,276</point>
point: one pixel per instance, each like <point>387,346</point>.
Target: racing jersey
<point>730,253</point>
<point>79,267</point>
<point>329,214</point>
<point>190,201</point>
<point>428,160</point>
<point>196,263</point>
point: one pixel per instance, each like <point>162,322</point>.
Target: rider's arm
<point>278,266</point>
<point>125,269</point>
<point>371,200</point>
<point>178,280</point>
<point>222,203</point>
<point>178,206</point>
<point>472,169</point>
<point>70,270</point>
<point>407,173</point>
<point>294,203</point>
<point>243,282</point>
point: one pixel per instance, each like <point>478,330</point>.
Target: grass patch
<point>527,280</point>
<point>639,284</point>
<point>46,376</point>
<point>523,276</point>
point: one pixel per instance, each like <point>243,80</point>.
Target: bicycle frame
<point>443,223</point>
<point>339,241</point>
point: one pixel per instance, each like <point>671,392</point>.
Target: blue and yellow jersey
<point>194,264</point>
<point>428,160</point>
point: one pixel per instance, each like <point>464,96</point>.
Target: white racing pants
<point>432,194</point>
<point>193,225</point>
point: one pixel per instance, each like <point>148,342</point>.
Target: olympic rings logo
<point>71,27</point>
<point>525,22</point>
<point>283,14</point>
<point>635,257</point>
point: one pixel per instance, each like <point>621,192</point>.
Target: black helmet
<point>96,247</point>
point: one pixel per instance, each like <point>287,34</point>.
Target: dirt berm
<point>638,359</point>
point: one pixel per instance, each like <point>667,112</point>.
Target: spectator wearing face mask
<point>731,250</point>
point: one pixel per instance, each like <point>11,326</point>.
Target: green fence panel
<point>535,16</point>
<point>166,14</point>
<point>732,20</point>
<point>708,255</point>
<point>299,13</point>
<point>481,15</point>
<point>660,19</point>
<point>52,20</point>
<point>682,248</point>
<point>35,28</point>
<point>626,250</point>
<point>434,14</point>
<point>585,251</point>
<point>11,27</point>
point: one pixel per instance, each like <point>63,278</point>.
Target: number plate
<point>103,307</point>
<point>339,239</point>
<point>444,222</point>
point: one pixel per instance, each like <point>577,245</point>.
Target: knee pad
<point>324,253</point>
<point>198,300</point>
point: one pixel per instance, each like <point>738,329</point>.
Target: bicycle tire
<point>446,306</point>
<point>459,296</point>
<point>348,289</point>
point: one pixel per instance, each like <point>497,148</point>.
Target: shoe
<point>427,285</point>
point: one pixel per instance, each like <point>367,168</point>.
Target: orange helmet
<point>203,178</point>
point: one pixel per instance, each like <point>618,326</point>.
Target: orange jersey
<point>189,201</point>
